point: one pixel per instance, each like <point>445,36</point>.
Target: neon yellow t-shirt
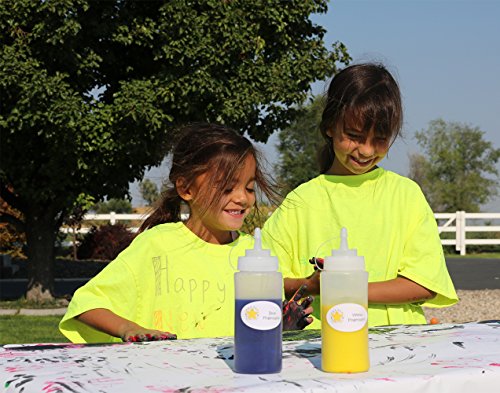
<point>167,279</point>
<point>388,221</point>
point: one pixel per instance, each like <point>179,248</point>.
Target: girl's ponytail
<point>325,157</point>
<point>168,210</point>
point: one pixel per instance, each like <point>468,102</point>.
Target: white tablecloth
<point>425,358</point>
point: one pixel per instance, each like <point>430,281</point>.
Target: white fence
<point>459,222</point>
<point>112,218</point>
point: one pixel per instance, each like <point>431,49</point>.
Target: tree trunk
<point>40,237</point>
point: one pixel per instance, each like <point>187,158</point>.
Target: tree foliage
<point>457,170</point>
<point>298,146</point>
<point>117,205</point>
<point>149,191</point>
<point>92,92</point>
<point>12,241</point>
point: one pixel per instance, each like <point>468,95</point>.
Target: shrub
<point>254,220</point>
<point>104,242</point>
<point>12,240</point>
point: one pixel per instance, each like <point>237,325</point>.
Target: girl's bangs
<point>373,113</point>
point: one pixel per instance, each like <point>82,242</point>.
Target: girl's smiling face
<point>215,223</point>
<point>356,151</point>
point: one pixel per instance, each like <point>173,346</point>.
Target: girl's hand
<point>296,311</point>
<point>108,322</point>
<point>137,335</point>
<point>317,262</point>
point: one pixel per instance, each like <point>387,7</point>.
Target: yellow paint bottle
<point>344,316</point>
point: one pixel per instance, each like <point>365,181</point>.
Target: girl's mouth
<point>361,162</point>
<point>235,213</point>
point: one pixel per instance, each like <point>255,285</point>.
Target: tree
<point>456,167</point>
<point>149,191</point>
<point>92,93</point>
<point>117,205</point>
<point>418,169</point>
<point>298,146</point>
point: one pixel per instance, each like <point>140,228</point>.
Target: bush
<point>254,220</point>
<point>12,241</point>
<point>104,242</point>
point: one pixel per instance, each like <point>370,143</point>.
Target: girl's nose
<point>240,196</point>
<point>366,149</point>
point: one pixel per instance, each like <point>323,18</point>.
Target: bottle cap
<point>257,259</point>
<point>344,258</point>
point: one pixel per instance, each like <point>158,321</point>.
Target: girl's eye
<point>228,191</point>
<point>354,136</point>
<point>250,190</point>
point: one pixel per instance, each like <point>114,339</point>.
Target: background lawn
<point>24,329</point>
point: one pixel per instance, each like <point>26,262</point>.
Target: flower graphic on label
<point>252,313</point>
<point>337,316</point>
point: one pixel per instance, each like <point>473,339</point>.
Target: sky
<point>445,55</point>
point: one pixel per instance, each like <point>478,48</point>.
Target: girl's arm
<point>108,322</point>
<point>399,290</point>
<point>292,285</point>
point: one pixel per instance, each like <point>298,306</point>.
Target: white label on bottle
<point>347,317</point>
<point>261,315</point>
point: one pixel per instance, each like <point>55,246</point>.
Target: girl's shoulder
<point>158,235</point>
<point>399,181</point>
<point>307,188</point>
<point>161,230</point>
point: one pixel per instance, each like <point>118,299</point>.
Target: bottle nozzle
<point>344,258</point>
<point>257,258</point>
<point>344,247</point>
<point>258,239</point>
<point>343,239</point>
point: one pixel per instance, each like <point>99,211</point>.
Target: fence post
<point>112,219</point>
<point>461,232</point>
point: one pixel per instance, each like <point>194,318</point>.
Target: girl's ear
<point>183,191</point>
<point>329,132</point>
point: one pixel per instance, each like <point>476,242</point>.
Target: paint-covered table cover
<point>420,358</point>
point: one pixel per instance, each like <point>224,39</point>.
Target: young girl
<point>178,276</point>
<point>386,215</point>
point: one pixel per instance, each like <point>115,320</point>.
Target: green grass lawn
<point>24,329</point>
<point>23,303</point>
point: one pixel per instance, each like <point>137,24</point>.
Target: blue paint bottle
<point>258,312</point>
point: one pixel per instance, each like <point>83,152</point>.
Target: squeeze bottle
<point>344,316</point>
<point>258,288</point>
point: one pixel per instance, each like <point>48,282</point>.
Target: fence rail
<point>459,222</point>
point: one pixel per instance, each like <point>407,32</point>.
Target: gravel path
<point>474,305</point>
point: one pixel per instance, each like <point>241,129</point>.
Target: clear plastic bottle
<point>258,290</point>
<point>344,316</point>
